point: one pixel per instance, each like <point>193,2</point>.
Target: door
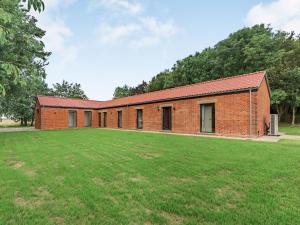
<point>167,118</point>
<point>139,119</point>
<point>87,119</point>
<point>104,119</point>
<point>208,118</point>
<point>99,119</point>
<point>119,119</point>
<point>72,119</point>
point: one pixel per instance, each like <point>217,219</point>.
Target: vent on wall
<point>274,125</point>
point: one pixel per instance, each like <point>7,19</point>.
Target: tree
<point>278,99</point>
<point>21,49</point>
<point>123,91</point>
<point>68,90</point>
<point>292,83</point>
<point>19,106</point>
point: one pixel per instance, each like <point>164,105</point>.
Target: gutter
<point>250,112</point>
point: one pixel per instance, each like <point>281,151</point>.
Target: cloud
<point>136,30</point>
<point>119,6</point>
<point>281,14</point>
<point>155,31</point>
<point>57,32</point>
<point>110,34</point>
<point>145,31</point>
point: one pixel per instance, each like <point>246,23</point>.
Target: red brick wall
<point>231,114</point>
<point>57,118</point>
<point>263,108</point>
<point>37,114</point>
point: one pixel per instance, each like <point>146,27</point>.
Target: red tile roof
<point>223,85</point>
<point>68,102</point>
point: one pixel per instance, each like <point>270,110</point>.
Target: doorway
<point>99,119</point>
<point>72,119</point>
<point>207,118</point>
<point>104,119</point>
<point>119,119</point>
<point>167,118</point>
<point>87,119</point>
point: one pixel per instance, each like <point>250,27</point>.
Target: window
<point>167,118</point>
<point>104,119</point>
<point>99,119</point>
<point>119,119</point>
<point>139,119</point>
<point>87,119</point>
<point>72,119</point>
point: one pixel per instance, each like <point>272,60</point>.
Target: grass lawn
<point>288,129</point>
<point>93,176</point>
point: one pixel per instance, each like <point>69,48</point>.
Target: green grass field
<point>93,176</point>
<point>288,129</point>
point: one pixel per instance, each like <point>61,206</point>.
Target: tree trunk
<point>25,122</point>
<point>32,120</point>
<point>279,112</point>
<point>293,115</point>
<point>22,122</point>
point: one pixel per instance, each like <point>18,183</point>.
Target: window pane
<point>139,118</point>
<point>119,119</point>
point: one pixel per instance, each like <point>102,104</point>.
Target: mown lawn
<point>288,129</point>
<point>93,176</point>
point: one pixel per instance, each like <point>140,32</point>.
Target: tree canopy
<point>22,52</point>
<point>67,90</point>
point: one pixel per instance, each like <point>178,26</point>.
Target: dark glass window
<point>99,119</point>
<point>139,119</point>
<point>105,119</point>
<point>119,119</point>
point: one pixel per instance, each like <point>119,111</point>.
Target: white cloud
<point>155,31</point>
<point>145,31</point>
<point>57,32</point>
<point>281,14</point>
<point>138,30</point>
<point>119,6</point>
<point>110,34</point>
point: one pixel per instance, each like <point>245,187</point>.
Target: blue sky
<point>102,44</point>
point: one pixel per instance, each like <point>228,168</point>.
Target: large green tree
<point>20,105</point>
<point>22,52</point>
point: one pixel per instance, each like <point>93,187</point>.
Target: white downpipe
<point>250,112</point>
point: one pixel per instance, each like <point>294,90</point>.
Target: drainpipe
<point>127,117</point>
<point>250,112</point>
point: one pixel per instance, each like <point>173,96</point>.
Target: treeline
<point>19,105</point>
<point>23,60</point>
<point>247,50</point>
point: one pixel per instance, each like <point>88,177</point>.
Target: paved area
<point>16,129</point>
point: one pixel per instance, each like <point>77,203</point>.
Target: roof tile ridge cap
<point>189,85</point>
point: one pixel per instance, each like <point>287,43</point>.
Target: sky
<point>102,44</point>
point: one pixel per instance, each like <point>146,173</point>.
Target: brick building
<point>233,106</point>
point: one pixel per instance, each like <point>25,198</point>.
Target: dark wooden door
<point>167,118</point>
